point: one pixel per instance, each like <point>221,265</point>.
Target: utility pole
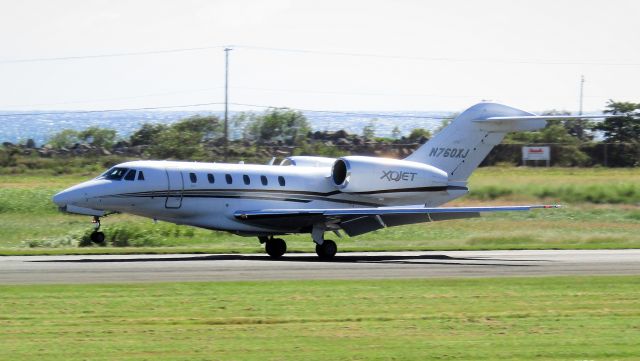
<point>581,92</point>
<point>580,122</point>
<point>226,103</point>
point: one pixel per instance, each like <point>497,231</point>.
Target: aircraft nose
<point>60,199</point>
<point>65,197</point>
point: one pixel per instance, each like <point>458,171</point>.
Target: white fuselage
<point>207,194</point>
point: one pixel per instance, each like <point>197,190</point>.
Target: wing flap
<point>357,221</point>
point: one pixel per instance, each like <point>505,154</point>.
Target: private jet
<point>306,194</point>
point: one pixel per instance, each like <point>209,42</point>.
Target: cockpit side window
<point>115,173</point>
<point>140,176</point>
<point>131,175</point>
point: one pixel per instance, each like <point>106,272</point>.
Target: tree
<point>64,139</point>
<point>98,137</point>
<point>396,133</point>
<point>147,134</point>
<point>287,125</point>
<point>419,134</point>
<point>622,129</point>
<point>445,122</point>
<point>239,125</point>
<point>182,140</point>
<point>208,127</point>
<point>172,144</point>
<point>369,130</point>
<point>555,132</point>
<point>623,132</point>
<point>577,128</point>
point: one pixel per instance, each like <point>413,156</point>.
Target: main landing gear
<point>326,249</point>
<point>96,236</point>
<point>275,247</point>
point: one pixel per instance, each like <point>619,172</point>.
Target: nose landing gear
<point>96,236</point>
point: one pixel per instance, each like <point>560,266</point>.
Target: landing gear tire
<point>97,237</point>
<point>275,247</point>
<point>327,250</point>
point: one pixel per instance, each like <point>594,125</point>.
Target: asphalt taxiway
<point>366,265</point>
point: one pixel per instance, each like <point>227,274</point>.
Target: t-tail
<point>461,146</point>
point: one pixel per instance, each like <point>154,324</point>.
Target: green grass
<point>565,185</point>
<point>559,318</point>
<point>30,223</point>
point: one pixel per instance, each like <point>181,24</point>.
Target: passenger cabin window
<point>264,180</point>
<point>114,173</point>
<point>131,175</point>
<point>193,177</point>
<point>210,178</point>
<point>281,181</point>
<point>246,179</point>
<point>228,178</point>
<point>140,175</point>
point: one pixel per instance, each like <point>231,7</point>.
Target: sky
<point>318,55</point>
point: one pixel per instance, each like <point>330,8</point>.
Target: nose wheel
<point>96,236</point>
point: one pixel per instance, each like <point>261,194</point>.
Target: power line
<point>111,110</point>
<point>148,95</point>
<point>381,115</point>
<point>283,90</point>
<point>226,102</point>
<point>321,52</point>
<point>111,55</point>
<point>363,114</point>
<point>434,59</point>
<point>485,96</point>
<point>352,93</point>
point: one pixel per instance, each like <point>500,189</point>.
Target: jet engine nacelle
<point>356,174</point>
<point>308,161</point>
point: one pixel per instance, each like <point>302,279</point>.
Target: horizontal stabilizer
<point>544,117</point>
<point>522,123</point>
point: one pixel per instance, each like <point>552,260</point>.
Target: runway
<point>379,265</point>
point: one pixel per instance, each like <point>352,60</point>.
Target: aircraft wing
<point>355,221</point>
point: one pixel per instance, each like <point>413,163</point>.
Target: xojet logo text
<point>397,176</point>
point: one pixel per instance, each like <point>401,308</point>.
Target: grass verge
<point>557,318</point>
<point>30,224</point>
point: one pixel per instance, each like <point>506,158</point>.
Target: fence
<point>589,154</point>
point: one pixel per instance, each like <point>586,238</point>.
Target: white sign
<point>536,153</point>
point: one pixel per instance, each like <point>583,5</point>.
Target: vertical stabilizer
<point>462,145</point>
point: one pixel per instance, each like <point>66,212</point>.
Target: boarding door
<point>175,188</point>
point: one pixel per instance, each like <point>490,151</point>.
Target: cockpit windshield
<point>115,173</point>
